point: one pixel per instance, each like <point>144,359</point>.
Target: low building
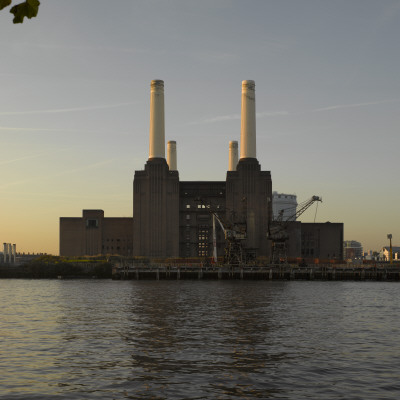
<point>315,240</point>
<point>322,240</point>
<point>93,234</point>
<point>384,254</point>
<point>352,250</point>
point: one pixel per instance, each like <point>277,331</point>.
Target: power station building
<point>173,218</point>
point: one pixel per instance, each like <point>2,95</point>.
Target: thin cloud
<point>67,172</point>
<point>221,118</point>
<point>66,110</point>
<point>263,114</point>
<point>20,129</point>
<point>354,105</point>
<point>4,162</point>
<point>271,113</point>
<point>106,195</point>
<point>232,117</point>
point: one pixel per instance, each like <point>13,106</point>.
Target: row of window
<point>116,248</point>
<point>194,194</point>
<point>202,206</point>
<point>117,240</point>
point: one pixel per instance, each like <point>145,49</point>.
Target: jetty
<point>382,272</point>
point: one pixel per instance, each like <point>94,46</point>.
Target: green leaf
<point>4,3</point>
<point>27,9</point>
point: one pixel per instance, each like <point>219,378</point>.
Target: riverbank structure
<point>173,218</point>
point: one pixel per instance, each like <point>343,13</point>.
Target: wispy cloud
<point>354,105</point>
<point>231,117</point>
<point>65,195</point>
<point>271,114</point>
<point>266,114</point>
<point>23,129</point>
<point>66,110</point>
<point>63,173</point>
<point>28,157</point>
<point>220,118</point>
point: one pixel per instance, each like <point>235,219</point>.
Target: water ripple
<point>87,339</point>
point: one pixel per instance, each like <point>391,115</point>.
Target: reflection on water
<point>199,340</point>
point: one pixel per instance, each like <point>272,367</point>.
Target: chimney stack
<point>233,155</point>
<point>171,155</point>
<point>157,127</point>
<point>248,121</point>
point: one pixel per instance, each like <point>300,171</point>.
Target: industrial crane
<point>277,231</point>
<point>234,233</point>
<point>234,236</point>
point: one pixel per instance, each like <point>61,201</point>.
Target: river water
<point>100,339</point>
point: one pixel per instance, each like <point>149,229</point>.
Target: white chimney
<point>248,122</point>
<point>233,155</point>
<point>171,155</point>
<point>157,127</point>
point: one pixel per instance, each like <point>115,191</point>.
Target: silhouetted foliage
<point>28,8</point>
<point>53,267</point>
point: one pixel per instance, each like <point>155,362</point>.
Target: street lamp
<point>389,236</point>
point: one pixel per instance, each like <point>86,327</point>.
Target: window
<point>187,216</point>
<point>187,205</point>
<point>92,223</point>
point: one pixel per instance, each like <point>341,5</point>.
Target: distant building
<point>93,234</point>
<point>371,255</point>
<point>9,253</point>
<point>284,202</point>
<point>384,254</point>
<point>352,250</point>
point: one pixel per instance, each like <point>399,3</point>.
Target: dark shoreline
<point>106,270</point>
<point>56,271</point>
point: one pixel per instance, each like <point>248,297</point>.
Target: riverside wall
<point>269,272</point>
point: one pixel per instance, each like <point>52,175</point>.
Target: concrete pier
<point>268,272</point>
